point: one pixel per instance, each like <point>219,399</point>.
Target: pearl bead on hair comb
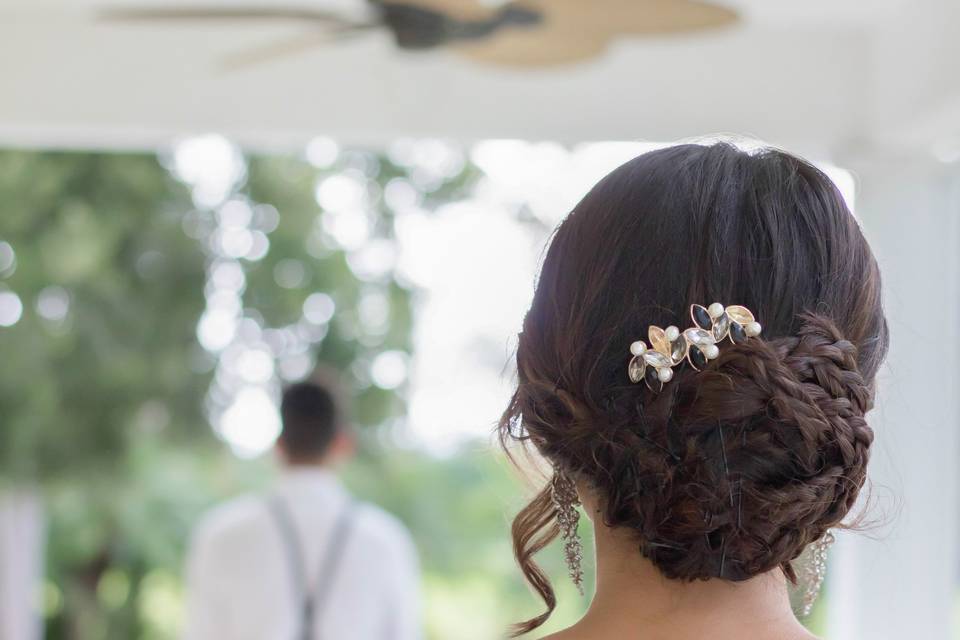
<point>698,344</point>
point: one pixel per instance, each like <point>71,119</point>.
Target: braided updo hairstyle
<point>732,471</point>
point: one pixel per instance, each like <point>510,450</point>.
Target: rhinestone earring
<point>563,491</point>
<point>815,572</point>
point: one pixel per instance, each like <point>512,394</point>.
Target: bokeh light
<point>211,164</point>
<point>318,308</point>
<point>322,152</point>
<point>53,303</point>
<point>251,423</point>
<point>290,274</point>
<point>10,308</point>
<point>8,260</point>
<point>389,369</point>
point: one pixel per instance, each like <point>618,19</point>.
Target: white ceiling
<point>816,75</point>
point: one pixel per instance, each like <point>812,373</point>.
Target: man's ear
<point>280,450</point>
<point>342,447</point>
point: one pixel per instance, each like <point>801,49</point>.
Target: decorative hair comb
<point>698,345</point>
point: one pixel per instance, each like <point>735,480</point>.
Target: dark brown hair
<point>311,416</point>
<point>732,471</point>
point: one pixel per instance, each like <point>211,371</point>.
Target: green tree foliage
<point>97,240</point>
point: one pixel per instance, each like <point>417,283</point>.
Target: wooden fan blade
<point>459,9</point>
<point>638,17</point>
<point>574,30</point>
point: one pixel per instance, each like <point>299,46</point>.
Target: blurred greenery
<point>107,397</point>
<point>84,226</point>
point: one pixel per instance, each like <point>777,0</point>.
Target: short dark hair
<point>311,417</point>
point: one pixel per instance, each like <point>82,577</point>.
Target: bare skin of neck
<point>633,601</point>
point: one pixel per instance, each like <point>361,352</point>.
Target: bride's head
<point>729,472</point>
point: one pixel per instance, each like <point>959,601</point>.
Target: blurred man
<point>307,561</point>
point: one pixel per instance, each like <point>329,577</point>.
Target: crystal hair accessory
<point>697,345</point>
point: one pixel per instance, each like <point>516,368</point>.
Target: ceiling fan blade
<point>272,51</point>
<point>458,9</point>
<point>214,13</point>
<point>574,30</point>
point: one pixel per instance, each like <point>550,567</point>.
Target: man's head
<point>314,429</point>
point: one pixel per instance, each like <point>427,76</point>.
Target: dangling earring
<point>815,571</point>
<point>565,500</point>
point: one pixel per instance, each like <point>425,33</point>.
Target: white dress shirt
<point>239,579</point>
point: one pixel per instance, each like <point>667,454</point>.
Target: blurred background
<point>202,202</point>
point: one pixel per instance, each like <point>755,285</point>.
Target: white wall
<point>899,579</point>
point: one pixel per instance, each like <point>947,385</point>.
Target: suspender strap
<point>311,602</point>
<point>333,557</point>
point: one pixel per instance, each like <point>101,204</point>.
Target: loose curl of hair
<point>730,472</point>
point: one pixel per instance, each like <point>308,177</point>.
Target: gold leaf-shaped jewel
<point>658,340</point>
<point>740,315</point>
<point>657,359</point>
<point>636,369</point>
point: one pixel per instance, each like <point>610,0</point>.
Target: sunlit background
<point>196,209</point>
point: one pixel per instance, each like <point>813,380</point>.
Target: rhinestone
<point>720,327</point>
<point>652,379</point>
<point>740,314</point>
<point>656,359</point>
<point>737,333</point>
<point>678,349</point>
<point>698,336</point>
<point>697,359</point>
<point>636,369</point>
<point>701,317</point>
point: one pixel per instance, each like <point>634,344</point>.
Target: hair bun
<point>731,471</point>
<point>767,450</point>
